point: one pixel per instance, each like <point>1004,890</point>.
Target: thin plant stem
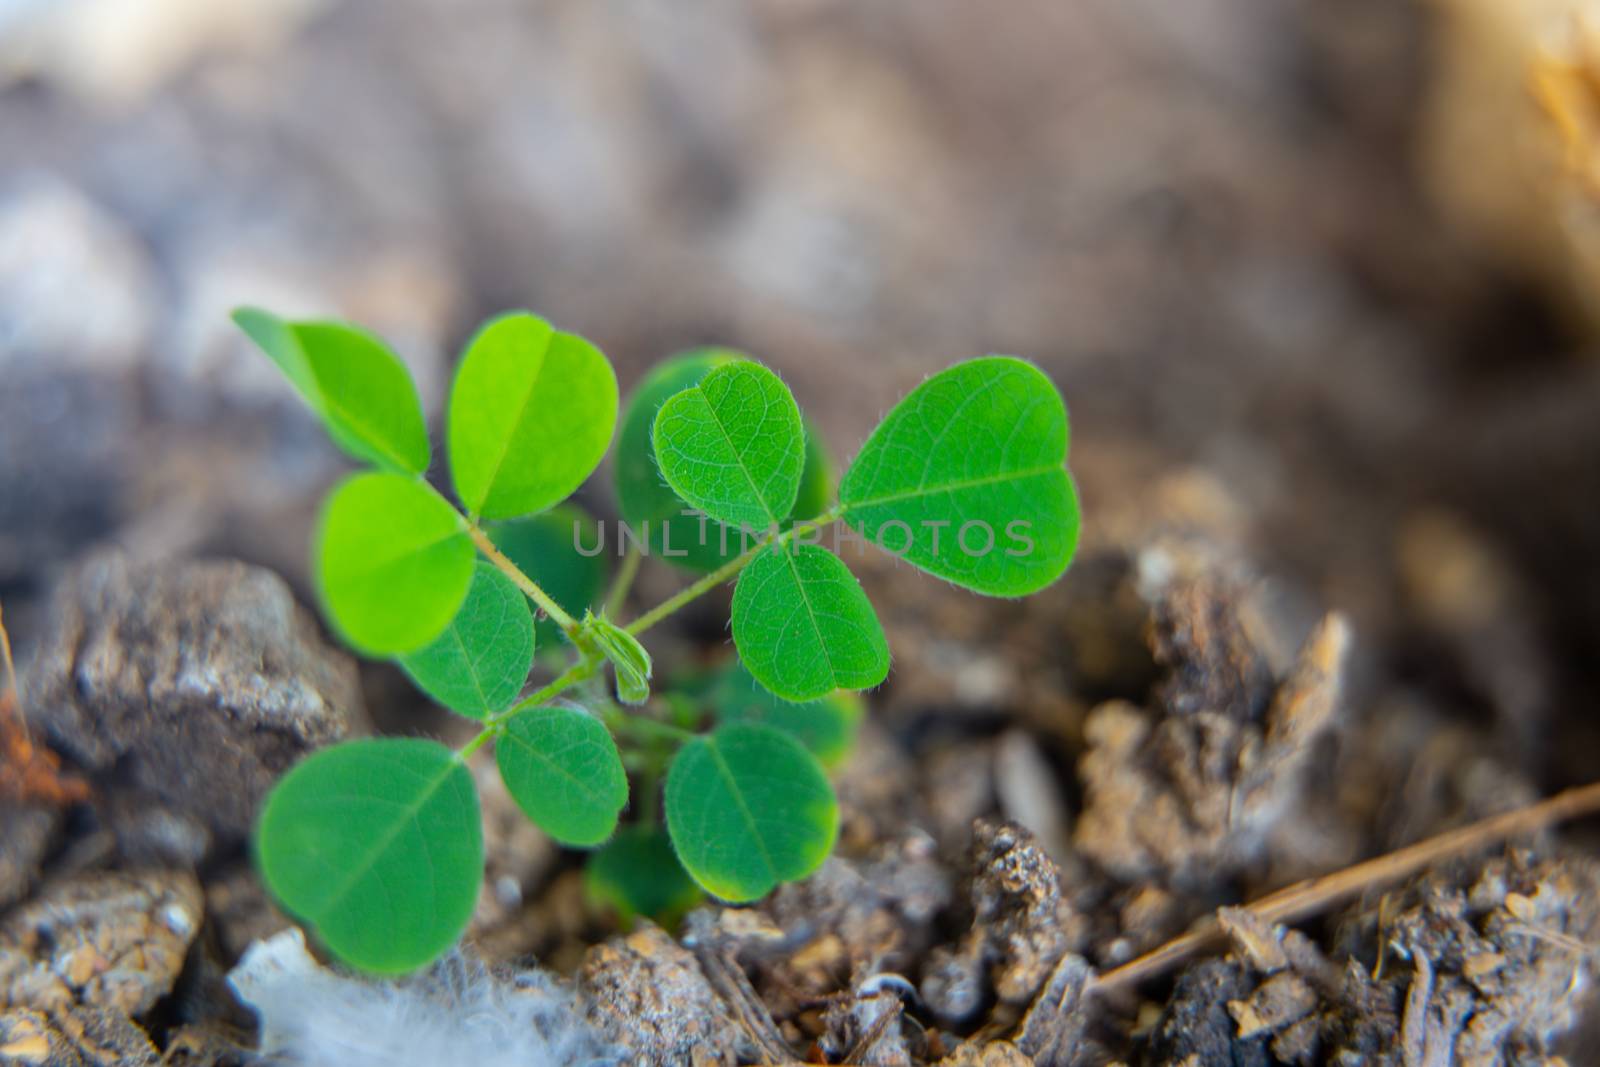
<point>529,587</point>
<point>726,571</point>
<point>580,671</point>
<point>693,592</point>
<point>623,581</point>
<point>587,663</point>
<point>30,773</point>
<point>621,722</point>
<point>1311,896</point>
<point>11,693</point>
<point>483,737</point>
<point>495,725</point>
<point>12,684</point>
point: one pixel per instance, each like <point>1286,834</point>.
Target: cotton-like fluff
<point>456,1012</point>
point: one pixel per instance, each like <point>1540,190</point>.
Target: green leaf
<point>827,727</point>
<point>359,389</point>
<point>544,547</point>
<point>964,479</point>
<point>393,562</point>
<point>816,479</point>
<point>748,807</point>
<point>648,504</point>
<point>733,445</point>
<point>637,873</point>
<point>561,767</point>
<point>629,660</point>
<point>803,626</point>
<point>376,844</point>
<point>480,662</point>
<point>531,415</point>
<point>650,507</point>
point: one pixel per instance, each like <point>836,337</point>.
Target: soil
<point>1339,589</point>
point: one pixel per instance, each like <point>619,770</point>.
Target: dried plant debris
<point>1480,969</point>
<point>1412,771</point>
<point>105,940</point>
<point>1022,925</point>
<point>879,908</point>
<point>791,969</point>
<point>1198,636</point>
<point>32,789</point>
<point>867,1025</point>
<point>1196,1027</point>
<point>1056,1028</point>
<point>1186,794</point>
<point>32,773</point>
<point>457,1011</point>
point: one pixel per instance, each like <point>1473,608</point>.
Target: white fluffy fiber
<point>455,1013</point>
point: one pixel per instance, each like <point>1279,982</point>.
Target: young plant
<point>376,844</point>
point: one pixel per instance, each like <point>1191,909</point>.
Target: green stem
<point>623,581</point>
<point>698,589</point>
<point>495,725</point>
<point>529,587</point>
<point>476,743</point>
<point>578,672</point>
<point>727,571</point>
<point>584,669</point>
<point>568,624</point>
<point>621,722</point>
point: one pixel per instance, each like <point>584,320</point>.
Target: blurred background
<point>1322,274</point>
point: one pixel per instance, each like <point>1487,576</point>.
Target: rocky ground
<point>1339,589</point>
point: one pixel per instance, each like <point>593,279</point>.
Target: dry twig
<point>1314,895</point>
<point>27,772</point>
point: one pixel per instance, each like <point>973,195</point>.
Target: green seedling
<point>376,844</point>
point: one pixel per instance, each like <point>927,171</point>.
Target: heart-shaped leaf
<point>733,445</point>
<point>393,563</point>
<point>803,626</point>
<point>562,768</point>
<point>637,873</point>
<point>748,807</point>
<point>545,547</point>
<point>378,845</point>
<point>964,479</point>
<point>648,504</point>
<point>479,664</point>
<point>827,727</point>
<point>531,415</point>
<point>361,391</point>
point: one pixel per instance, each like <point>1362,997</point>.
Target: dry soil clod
<point>105,940</point>
<point>184,689</point>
